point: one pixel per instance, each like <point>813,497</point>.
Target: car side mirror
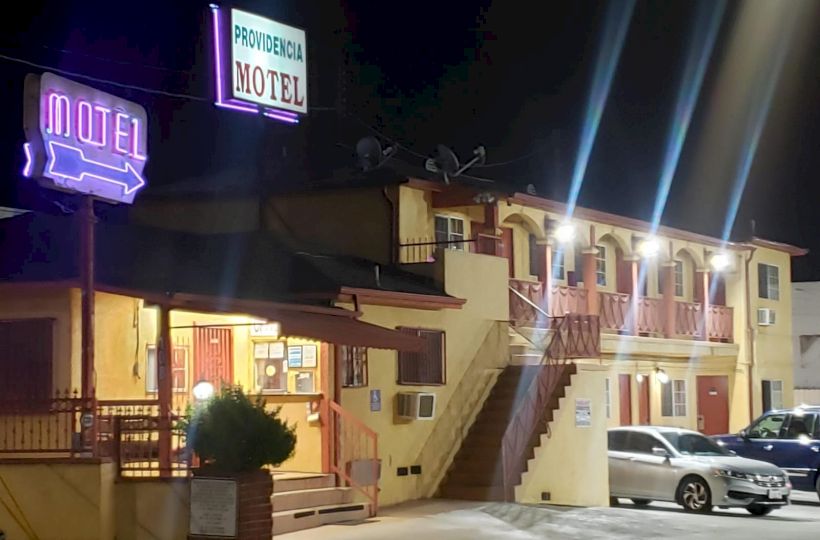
<point>660,452</point>
<point>733,452</point>
<point>743,433</point>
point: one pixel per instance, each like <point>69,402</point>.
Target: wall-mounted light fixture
<point>720,261</point>
<point>639,377</point>
<point>565,232</point>
<point>203,390</point>
<point>661,376</point>
<point>649,247</point>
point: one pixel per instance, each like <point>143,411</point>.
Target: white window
<point>179,369</point>
<point>678,272</point>
<point>608,394</point>
<point>600,266</point>
<point>558,264</point>
<point>450,232</point>
<point>772,395</point>
<point>768,281</point>
<point>673,398</point>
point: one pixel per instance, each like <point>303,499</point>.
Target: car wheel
<point>641,502</point>
<point>759,510</point>
<point>613,501</point>
<point>694,494</point>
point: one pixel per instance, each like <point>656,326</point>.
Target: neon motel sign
<point>83,140</point>
<point>260,65</point>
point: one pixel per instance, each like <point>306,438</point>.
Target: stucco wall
<point>571,463</point>
<point>480,279</point>
<point>152,510</point>
<point>61,501</point>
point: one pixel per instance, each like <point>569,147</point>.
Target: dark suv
<point>789,439</point>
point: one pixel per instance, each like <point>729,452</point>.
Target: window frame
<point>608,396</point>
<point>405,357</point>
<point>769,384</point>
<point>151,368</point>
<point>453,240</point>
<point>600,265</point>
<point>346,353</point>
<point>558,269</point>
<point>763,419</point>
<point>535,258</point>
<point>674,401</point>
<point>768,288</point>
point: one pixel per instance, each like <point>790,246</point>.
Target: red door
<point>713,404</point>
<point>213,356</point>
<point>644,417</point>
<point>625,392</point>
<point>507,248</point>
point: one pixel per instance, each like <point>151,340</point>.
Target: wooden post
<point>668,289</point>
<point>547,280</point>
<point>164,389</point>
<point>87,226</point>
<point>634,298</point>
<point>703,277</point>
<point>590,277</point>
<point>328,393</point>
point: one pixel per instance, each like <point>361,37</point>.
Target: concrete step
<point>308,498</point>
<point>473,493</point>
<point>307,518</point>
<point>300,481</point>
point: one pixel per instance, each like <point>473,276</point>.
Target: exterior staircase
<point>303,500</point>
<point>477,472</point>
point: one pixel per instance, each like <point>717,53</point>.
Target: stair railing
<point>356,454</point>
<point>570,339</point>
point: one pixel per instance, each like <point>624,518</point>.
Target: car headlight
<point>729,473</point>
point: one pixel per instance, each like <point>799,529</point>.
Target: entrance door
<point>213,356</point>
<point>713,404</point>
<point>507,248</point>
<point>644,418</point>
<point>625,399</point>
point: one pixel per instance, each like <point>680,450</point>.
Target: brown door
<point>644,417</point>
<point>625,392</point>
<point>213,356</point>
<point>713,404</point>
<point>507,248</point>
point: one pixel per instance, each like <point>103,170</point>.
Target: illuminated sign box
<point>83,140</point>
<point>260,65</point>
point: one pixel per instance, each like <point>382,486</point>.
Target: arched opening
<point>522,244</point>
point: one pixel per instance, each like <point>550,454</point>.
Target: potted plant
<point>235,437</point>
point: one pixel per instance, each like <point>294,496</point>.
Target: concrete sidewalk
<point>461,520</point>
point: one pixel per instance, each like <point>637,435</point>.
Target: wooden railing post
<point>632,323</point>
<point>668,273</point>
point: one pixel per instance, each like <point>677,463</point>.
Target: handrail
<point>348,450</point>
<point>528,301</point>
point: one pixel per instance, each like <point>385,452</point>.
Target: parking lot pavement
<point>458,520</point>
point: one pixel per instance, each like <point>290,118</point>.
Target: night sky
<point>461,74</point>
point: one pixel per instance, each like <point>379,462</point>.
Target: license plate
<point>775,494</point>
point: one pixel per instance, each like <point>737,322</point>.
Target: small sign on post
<point>375,400</point>
<point>213,508</point>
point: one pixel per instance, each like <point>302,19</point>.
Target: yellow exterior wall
<point>773,344</point>
<point>61,501</point>
<point>202,217</point>
<point>152,510</point>
<point>571,463</point>
<point>294,410</point>
<point>47,302</point>
<point>474,345</point>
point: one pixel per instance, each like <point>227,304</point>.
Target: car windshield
<point>693,444</point>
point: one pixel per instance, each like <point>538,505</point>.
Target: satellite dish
<point>446,162</point>
<point>531,189</point>
<point>370,153</point>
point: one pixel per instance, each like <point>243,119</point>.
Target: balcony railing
<point>423,250</point>
<point>529,307</point>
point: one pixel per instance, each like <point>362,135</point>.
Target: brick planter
<point>253,502</point>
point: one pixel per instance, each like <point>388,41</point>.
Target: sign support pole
<point>165,390</point>
<point>87,226</point>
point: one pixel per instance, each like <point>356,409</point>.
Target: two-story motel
<point>539,332</point>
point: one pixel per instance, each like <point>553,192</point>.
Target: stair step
<point>300,481</point>
<point>306,518</point>
<point>307,498</point>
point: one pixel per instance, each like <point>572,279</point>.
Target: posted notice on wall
<point>213,508</point>
<point>583,412</point>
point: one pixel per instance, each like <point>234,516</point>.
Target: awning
<point>333,325</point>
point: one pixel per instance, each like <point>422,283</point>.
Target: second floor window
<point>536,256</point>
<point>600,266</point>
<point>353,362</point>
<point>450,232</point>
<point>768,281</point>
<point>677,274</point>
<point>558,264</point>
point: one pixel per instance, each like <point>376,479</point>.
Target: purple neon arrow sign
<point>70,163</point>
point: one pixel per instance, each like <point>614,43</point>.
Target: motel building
<point>427,340</point>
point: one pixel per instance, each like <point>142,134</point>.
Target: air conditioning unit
<point>765,316</point>
<point>416,405</point>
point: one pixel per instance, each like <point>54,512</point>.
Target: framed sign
<point>309,356</point>
<point>583,412</point>
<point>213,507</point>
<point>295,356</point>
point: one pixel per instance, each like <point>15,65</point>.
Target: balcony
<point>530,307</point>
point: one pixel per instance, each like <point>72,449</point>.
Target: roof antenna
<point>446,162</point>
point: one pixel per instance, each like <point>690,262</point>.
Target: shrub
<point>232,434</point>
